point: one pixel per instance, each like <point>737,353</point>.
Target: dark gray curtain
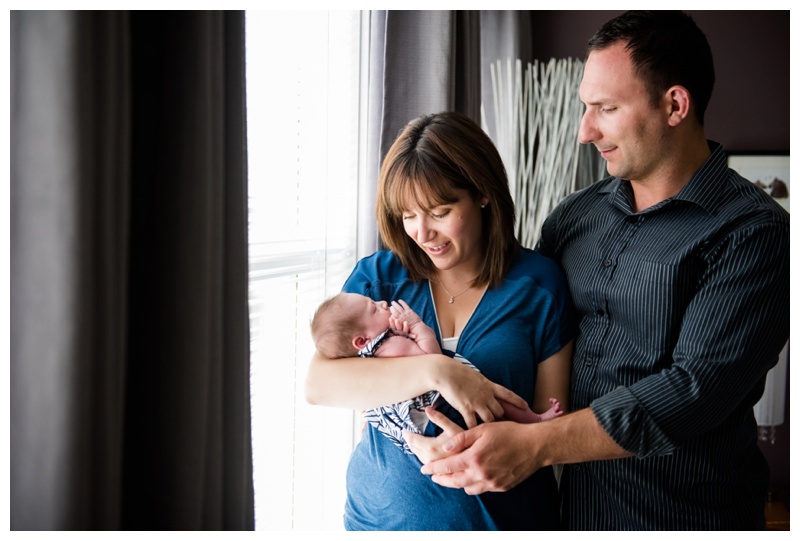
<point>430,62</point>
<point>420,62</point>
<point>130,405</point>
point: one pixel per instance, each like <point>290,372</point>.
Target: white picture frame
<point>768,171</point>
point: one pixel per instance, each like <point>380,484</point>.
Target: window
<point>303,143</point>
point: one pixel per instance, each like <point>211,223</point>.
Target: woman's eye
<point>440,215</point>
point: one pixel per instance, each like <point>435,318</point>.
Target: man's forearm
<point>577,437</point>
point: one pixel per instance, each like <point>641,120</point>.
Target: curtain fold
<point>429,66</point>
<point>431,61</point>
<point>420,62</point>
<point>129,334</point>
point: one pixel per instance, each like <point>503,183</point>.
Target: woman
<point>445,212</point>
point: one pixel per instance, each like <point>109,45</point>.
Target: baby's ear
<point>360,342</point>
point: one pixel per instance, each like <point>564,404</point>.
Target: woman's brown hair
<point>433,157</point>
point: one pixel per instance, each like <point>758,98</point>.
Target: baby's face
<point>374,315</point>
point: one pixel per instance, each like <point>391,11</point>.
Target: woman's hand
<point>471,393</point>
<point>427,448</point>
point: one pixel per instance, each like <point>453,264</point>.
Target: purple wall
<point>749,110</point>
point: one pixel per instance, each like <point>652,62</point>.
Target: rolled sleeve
<point>618,412</point>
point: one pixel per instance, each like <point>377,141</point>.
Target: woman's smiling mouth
<point>437,250</point>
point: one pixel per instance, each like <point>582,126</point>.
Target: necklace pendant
<point>451,300</point>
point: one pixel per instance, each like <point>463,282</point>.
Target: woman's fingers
<point>509,396</point>
<point>427,448</point>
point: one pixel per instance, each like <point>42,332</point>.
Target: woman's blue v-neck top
<point>516,325</point>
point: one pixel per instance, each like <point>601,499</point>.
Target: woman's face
<point>450,234</point>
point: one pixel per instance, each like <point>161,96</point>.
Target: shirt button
<point>607,263</point>
<point>600,312</point>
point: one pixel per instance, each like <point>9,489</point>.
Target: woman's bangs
<point>406,192</point>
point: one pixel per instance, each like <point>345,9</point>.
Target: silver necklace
<point>452,297</point>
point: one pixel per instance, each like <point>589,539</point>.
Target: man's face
<point>620,118</point>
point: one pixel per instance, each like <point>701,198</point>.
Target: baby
<point>349,324</point>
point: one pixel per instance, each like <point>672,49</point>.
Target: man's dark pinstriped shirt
<point>683,308</point>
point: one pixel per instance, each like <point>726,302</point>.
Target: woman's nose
<point>424,232</point>
<point>383,305</point>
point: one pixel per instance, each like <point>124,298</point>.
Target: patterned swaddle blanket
<point>392,420</point>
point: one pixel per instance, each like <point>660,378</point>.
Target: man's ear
<point>360,342</point>
<point>679,102</point>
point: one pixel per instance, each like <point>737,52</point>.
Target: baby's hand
<point>406,322</point>
<point>401,312</point>
<point>403,319</point>
<point>401,328</point>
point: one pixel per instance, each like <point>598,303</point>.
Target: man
<point>679,270</point>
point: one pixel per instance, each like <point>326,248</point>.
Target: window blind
<point>303,135</point>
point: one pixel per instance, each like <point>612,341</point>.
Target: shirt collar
<point>703,189</point>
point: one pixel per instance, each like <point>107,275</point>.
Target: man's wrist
<point>576,437</point>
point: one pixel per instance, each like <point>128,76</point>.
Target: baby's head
<point>345,323</point>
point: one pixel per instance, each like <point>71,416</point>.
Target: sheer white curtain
<point>304,119</point>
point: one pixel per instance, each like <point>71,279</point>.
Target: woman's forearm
<point>360,383</point>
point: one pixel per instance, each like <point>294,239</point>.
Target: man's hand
<point>493,457</point>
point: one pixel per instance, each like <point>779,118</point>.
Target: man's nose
<point>587,132</point>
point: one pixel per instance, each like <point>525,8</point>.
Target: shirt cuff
<point>624,418</point>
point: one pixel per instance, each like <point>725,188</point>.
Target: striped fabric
<point>682,308</point>
<point>393,419</point>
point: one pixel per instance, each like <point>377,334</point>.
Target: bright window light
<point>303,120</point>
